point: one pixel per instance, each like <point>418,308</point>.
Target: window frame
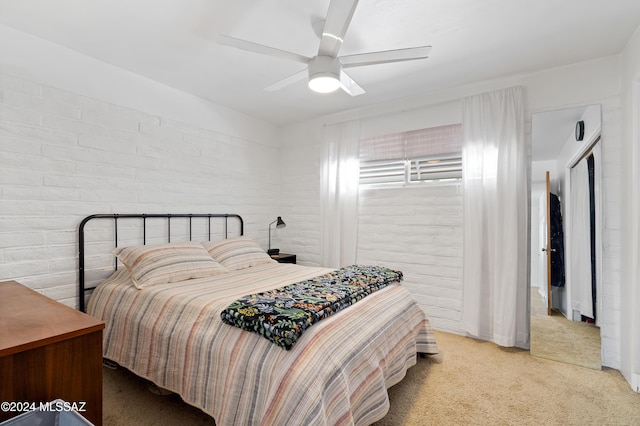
<point>401,172</point>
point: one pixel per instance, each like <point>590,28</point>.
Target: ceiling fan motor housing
<point>324,74</point>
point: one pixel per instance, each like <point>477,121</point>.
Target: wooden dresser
<point>48,351</point>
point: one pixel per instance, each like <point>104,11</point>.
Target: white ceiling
<point>174,42</point>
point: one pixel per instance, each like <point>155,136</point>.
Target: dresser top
<point>29,320</point>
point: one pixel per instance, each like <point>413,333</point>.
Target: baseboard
<point>635,382</point>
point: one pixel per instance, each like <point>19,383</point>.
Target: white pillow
<point>166,263</point>
<point>237,253</point>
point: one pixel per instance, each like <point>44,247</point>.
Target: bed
<point>171,333</point>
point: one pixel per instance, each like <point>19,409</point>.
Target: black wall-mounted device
<point>580,130</point>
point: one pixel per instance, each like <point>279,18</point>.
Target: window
<point>433,154</point>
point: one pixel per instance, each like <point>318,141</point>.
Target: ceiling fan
<point>325,71</point>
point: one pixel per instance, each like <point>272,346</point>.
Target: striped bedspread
<point>337,373</point>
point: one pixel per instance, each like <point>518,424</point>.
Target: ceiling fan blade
<point>300,75</point>
<point>336,25</point>
<point>259,48</point>
<point>387,56</point>
<point>350,86</point>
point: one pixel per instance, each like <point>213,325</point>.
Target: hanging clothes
<point>557,242</point>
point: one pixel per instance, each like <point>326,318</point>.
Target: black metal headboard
<point>141,224</point>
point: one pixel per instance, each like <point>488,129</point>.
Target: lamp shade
<point>280,223</point>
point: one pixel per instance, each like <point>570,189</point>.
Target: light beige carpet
<point>476,383</point>
<point>555,337</point>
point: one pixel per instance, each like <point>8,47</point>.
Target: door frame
<point>587,147</point>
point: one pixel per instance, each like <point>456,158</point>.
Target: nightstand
<point>48,351</point>
<point>284,257</point>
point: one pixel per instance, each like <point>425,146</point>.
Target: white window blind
<point>432,154</point>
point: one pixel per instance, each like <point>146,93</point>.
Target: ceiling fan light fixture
<point>324,74</point>
<point>324,83</point>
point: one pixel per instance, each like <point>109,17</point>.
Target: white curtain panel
<point>339,178</point>
<point>495,159</point>
<point>580,234</point>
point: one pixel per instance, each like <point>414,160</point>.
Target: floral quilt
<point>282,315</point>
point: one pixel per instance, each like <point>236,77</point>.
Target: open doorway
<point>555,333</point>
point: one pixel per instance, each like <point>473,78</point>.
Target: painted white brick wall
<point>418,230</point>
<point>301,202</point>
<point>64,156</point>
